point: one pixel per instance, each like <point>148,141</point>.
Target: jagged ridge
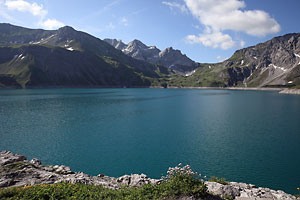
<point>170,58</point>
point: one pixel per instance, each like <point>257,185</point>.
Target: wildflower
<point>180,170</point>
<point>297,188</point>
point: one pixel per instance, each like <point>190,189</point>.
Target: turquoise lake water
<point>247,136</point>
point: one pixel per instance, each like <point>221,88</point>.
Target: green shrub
<point>179,183</point>
<point>218,180</point>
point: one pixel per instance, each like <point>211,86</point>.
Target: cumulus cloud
<point>3,12</point>
<point>176,5</point>
<point>214,40</point>
<point>218,16</point>
<point>51,24</point>
<point>36,10</point>
<point>24,6</point>
<point>230,15</point>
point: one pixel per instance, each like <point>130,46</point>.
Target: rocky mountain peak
<point>137,44</point>
<point>66,29</point>
<point>66,33</point>
<point>118,44</point>
<point>170,58</point>
<point>171,51</point>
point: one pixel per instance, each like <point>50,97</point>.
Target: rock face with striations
<point>16,171</point>
<point>273,63</point>
<point>170,58</point>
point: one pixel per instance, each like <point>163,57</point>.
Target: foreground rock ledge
<point>16,171</point>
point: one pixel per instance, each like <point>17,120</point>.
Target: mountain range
<point>36,58</point>
<point>67,58</point>
<point>169,58</point>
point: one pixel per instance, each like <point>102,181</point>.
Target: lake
<point>244,136</point>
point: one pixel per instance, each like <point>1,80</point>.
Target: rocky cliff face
<point>16,171</point>
<point>170,58</point>
<point>273,63</point>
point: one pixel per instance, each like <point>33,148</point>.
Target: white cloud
<point>176,5</point>
<point>24,6</point>
<point>36,10</point>
<point>222,15</point>
<point>124,21</point>
<point>214,40</point>
<point>196,27</point>
<point>52,24</point>
<point>242,43</point>
<point>4,14</point>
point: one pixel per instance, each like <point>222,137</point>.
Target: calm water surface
<point>248,136</point>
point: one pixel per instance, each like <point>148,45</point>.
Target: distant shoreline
<point>230,88</point>
<point>280,90</point>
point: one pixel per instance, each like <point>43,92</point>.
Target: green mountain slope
<point>67,58</point>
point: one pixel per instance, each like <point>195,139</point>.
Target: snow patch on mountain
<point>276,67</point>
<point>70,49</point>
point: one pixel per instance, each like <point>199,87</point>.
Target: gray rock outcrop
<point>290,91</point>
<point>16,171</point>
<point>272,63</point>
<point>243,191</point>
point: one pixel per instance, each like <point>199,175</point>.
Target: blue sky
<point>205,30</point>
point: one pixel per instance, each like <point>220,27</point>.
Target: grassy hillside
<point>44,66</point>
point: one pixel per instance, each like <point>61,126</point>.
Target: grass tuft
<point>218,180</point>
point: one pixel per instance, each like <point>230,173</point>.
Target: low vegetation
<point>222,181</point>
<point>180,181</point>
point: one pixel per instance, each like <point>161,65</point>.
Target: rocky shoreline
<point>16,171</point>
<point>280,90</point>
<point>290,91</point>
